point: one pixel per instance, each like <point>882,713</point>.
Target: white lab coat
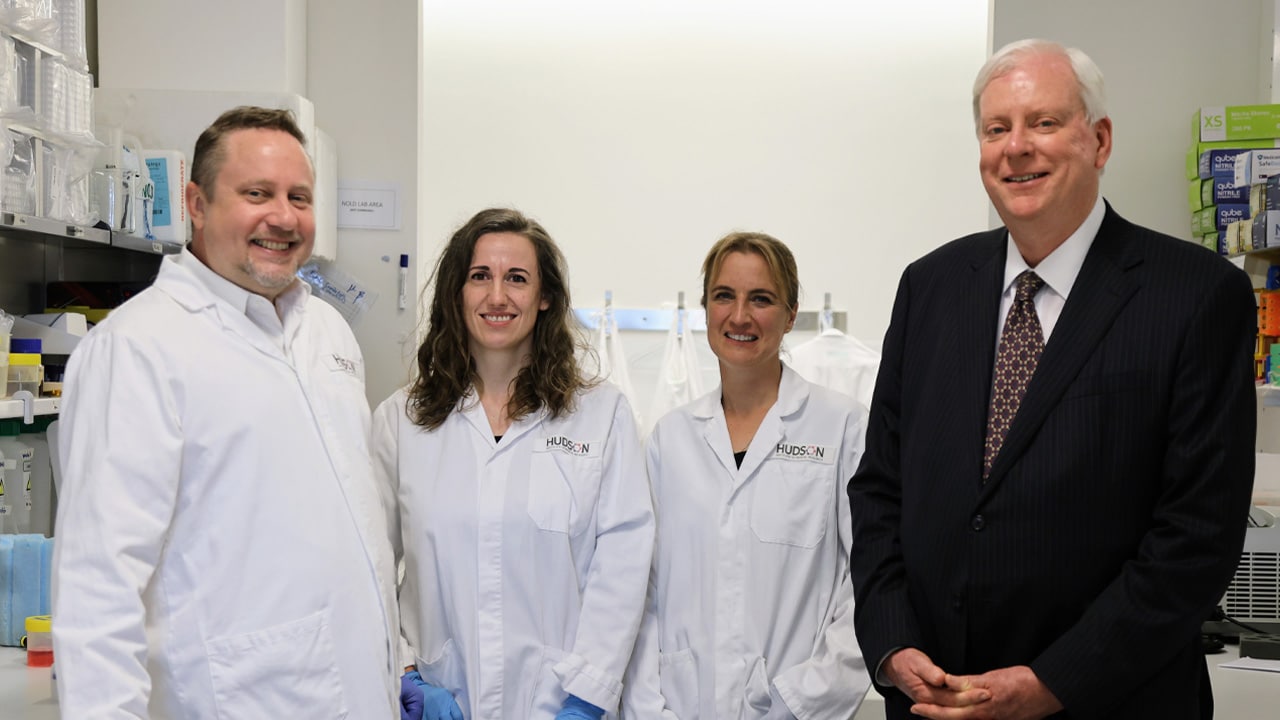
<point>221,550</point>
<point>679,376</point>
<point>750,592</point>
<point>838,362</point>
<point>526,560</point>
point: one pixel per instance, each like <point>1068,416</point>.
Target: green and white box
<point>1236,122</point>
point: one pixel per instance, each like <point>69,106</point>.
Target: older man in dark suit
<point>1060,454</point>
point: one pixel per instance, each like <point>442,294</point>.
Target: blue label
<point>161,213</point>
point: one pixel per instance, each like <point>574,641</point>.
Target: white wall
<point>640,133</point>
<point>362,75</point>
<point>230,45</point>
<point>1161,59</point>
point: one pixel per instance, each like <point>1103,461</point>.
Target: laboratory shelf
<point>1270,254</point>
<point>133,242</point>
<point>10,408</point>
<point>46,227</point>
<point>58,228</point>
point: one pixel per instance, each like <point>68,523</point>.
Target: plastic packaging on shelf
<point>8,76</point>
<point>67,107</point>
<point>19,182</point>
<point>17,81</point>
<point>68,15</point>
<point>31,18</point>
<point>68,170</point>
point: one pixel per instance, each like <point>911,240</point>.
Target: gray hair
<point>1006,59</point>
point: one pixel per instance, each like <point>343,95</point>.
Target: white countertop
<point>26,693</point>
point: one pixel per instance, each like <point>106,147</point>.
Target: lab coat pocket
<point>562,491</point>
<point>548,692</point>
<point>446,671</point>
<point>678,680</point>
<point>288,670</point>
<point>792,502</point>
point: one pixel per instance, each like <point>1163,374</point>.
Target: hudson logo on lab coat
<point>813,453</point>
<point>569,446</point>
<point>341,364</point>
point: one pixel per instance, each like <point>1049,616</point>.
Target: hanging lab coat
<point>526,559</point>
<point>838,362</point>
<point>750,594</point>
<point>679,376</point>
<point>613,361</point>
<point>221,550</point>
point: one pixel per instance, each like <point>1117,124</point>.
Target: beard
<point>271,276</point>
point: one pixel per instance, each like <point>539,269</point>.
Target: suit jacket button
<point>977,523</point>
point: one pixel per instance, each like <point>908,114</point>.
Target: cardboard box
<point>1212,241</point>
<point>1255,166</point>
<point>1266,230</point>
<point>1239,236</point>
<point>1214,191</point>
<point>1199,148</point>
<point>1218,217</point>
<point>1218,163</point>
<point>1268,196</point>
<point>1236,122</point>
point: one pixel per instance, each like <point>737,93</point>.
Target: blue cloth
<point>46,576</point>
<point>420,700</point>
<point>28,575</point>
<point>575,708</point>
<point>24,583</point>
<point>6,589</point>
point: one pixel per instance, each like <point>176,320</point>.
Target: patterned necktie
<point>1019,351</point>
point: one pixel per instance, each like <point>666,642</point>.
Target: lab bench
<point>28,693</point>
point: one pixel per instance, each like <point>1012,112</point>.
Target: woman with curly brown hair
<point>516,494</point>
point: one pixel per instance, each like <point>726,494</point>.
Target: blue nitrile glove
<point>575,708</point>
<point>420,700</point>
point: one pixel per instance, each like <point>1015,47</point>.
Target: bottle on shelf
<point>17,474</point>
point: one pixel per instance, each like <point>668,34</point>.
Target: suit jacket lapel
<point>1101,290</point>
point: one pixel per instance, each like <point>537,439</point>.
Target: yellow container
<point>39,640</point>
<point>25,373</point>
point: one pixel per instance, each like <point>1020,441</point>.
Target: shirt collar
<point>286,305</point>
<point>1061,267</point>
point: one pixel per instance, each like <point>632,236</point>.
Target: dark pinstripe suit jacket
<point>1114,515</point>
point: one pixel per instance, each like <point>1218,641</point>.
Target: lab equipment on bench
<point>39,641</point>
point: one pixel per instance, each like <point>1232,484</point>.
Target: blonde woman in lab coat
<point>751,607</point>
<point>516,495</point>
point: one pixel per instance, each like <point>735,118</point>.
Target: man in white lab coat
<point>221,550</point>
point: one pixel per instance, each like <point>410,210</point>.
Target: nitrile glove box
<point>1216,191</point>
<point>1219,163</point>
<point>1255,166</point>
<point>1218,217</point>
<point>1214,242</point>
<point>1266,230</point>
<point>1199,148</point>
<point>1270,192</point>
<point>1236,122</point>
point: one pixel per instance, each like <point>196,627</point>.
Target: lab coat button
<point>978,523</point>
